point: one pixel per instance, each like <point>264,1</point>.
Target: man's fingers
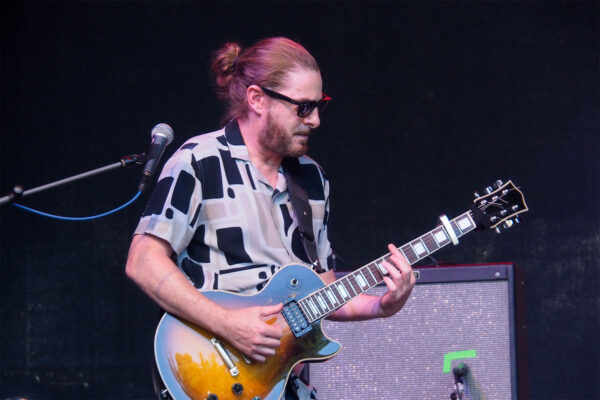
<point>394,273</point>
<point>257,357</point>
<point>266,311</point>
<point>265,351</point>
<point>270,342</point>
<point>389,283</point>
<point>398,256</point>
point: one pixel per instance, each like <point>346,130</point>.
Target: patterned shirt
<point>228,227</point>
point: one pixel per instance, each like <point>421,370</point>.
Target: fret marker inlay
<point>361,281</point>
<point>464,223</point>
<point>343,291</point>
<point>419,248</point>
<point>440,236</point>
<point>331,297</point>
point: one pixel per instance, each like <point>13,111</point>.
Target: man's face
<point>286,133</point>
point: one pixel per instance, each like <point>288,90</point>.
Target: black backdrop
<point>431,102</point>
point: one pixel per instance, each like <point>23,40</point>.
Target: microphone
<point>162,136</point>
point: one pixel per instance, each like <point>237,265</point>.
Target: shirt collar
<point>238,149</point>
<point>235,141</point>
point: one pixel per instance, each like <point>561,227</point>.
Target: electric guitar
<point>196,364</point>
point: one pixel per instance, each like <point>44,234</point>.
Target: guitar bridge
<point>295,318</point>
<point>225,356</point>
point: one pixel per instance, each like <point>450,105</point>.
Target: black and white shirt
<point>228,227</point>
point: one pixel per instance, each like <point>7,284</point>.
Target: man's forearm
<point>360,308</point>
<point>150,267</point>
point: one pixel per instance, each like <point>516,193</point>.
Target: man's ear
<point>256,99</point>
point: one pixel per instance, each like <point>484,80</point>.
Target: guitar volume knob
<point>237,388</point>
<point>212,396</point>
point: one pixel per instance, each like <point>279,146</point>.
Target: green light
<point>457,355</point>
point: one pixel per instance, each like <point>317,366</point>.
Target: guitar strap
<point>300,205</point>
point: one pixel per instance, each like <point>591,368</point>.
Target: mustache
<point>304,132</point>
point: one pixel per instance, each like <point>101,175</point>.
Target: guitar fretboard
<point>331,297</point>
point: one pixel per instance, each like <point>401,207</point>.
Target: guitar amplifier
<point>456,316</point>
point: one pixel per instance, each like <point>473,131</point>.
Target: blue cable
<point>78,218</point>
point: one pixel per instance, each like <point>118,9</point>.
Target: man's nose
<point>313,119</point>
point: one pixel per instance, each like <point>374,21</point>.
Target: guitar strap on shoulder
<point>301,207</point>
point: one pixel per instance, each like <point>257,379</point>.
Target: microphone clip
<point>133,159</point>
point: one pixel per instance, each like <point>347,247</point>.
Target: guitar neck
<point>331,297</point>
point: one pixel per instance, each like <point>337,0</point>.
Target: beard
<point>275,138</point>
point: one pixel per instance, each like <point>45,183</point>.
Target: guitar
<point>195,364</point>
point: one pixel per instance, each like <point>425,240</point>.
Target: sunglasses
<point>304,107</point>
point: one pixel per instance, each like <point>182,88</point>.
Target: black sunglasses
<point>304,107</point>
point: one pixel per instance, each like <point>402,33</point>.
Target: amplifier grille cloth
<point>402,357</point>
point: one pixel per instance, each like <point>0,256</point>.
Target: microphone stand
<point>18,191</point>
<point>460,373</point>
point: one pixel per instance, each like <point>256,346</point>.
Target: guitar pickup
<point>295,318</point>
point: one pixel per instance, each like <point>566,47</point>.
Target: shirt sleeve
<point>323,246</point>
<point>172,211</point>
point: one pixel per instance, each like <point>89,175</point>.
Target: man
<point>221,205</point>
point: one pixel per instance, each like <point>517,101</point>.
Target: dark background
<point>431,102</point>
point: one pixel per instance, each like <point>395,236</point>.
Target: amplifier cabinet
<point>456,314</point>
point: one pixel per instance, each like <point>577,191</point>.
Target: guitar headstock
<point>501,205</point>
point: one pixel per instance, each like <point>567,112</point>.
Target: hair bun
<point>223,66</point>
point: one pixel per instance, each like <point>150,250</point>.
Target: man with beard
<point>221,206</point>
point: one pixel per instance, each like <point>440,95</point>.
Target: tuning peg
<point>489,189</point>
<point>517,220</point>
<point>508,223</point>
<point>498,183</point>
<point>515,207</point>
<point>498,230</point>
<point>503,212</point>
<point>476,194</point>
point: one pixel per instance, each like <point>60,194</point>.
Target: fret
<point>349,284</point>
<point>430,242</point>
<point>326,298</point>
<point>306,309</point>
<point>366,271</point>
<point>313,308</point>
<point>314,301</point>
<point>355,285</point>
<point>455,228</point>
<point>319,303</point>
<point>381,269</point>
<point>376,272</point>
<point>404,253</point>
<point>331,297</point>
<point>375,281</point>
<point>410,254</point>
<point>336,292</point>
<point>322,302</point>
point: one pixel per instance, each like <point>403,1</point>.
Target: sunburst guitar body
<point>195,364</point>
